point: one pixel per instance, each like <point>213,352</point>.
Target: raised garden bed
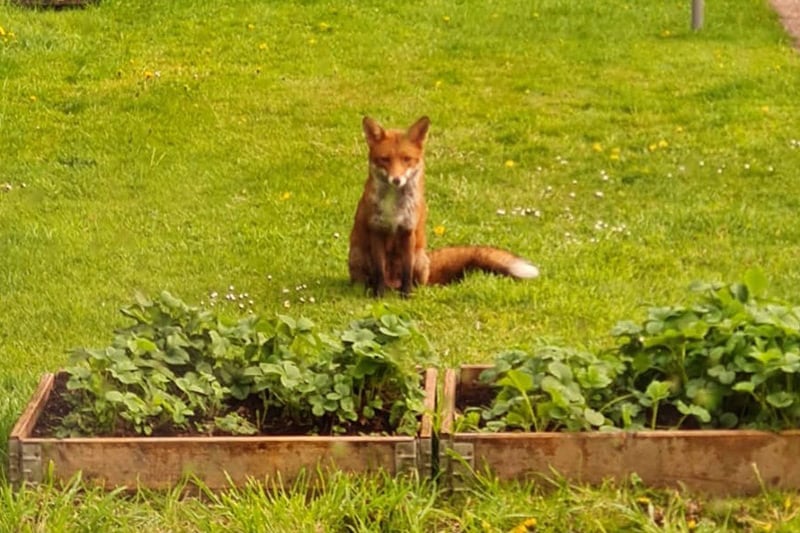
<point>218,462</point>
<point>183,391</point>
<point>723,462</point>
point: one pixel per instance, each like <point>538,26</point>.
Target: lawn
<point>216,147</point>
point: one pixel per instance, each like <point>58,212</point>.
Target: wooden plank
<point>27,420</point>
<point>721,462</point>
<point>160,462</point>
<point>431,377</point>
<point>219,462</point>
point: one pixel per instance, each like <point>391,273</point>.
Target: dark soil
<point>58,406</point>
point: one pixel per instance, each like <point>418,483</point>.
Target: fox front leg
<point>406,243</point>
<point>376,281</point>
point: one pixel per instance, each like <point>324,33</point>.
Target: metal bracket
<point>30,463</point>
<point>425,459</point>
<point>405,458</point>
<point>14,462</point>
<point>458,463</point>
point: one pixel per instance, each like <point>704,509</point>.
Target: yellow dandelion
<point>33,98</point>
<point>597,147</point>
<point>529,524</point>
<point>643,500</point>
<point>262,46</point>
<point>446,19</point>
<point>510,163</point>
<point>662,143</point>
<point>653,147</point>
<point>251,27</point>
<point>691,524</point>
<point>312,41</point>
<point>615,153</point>
<point>787,503</point>
<point>765,109</point>
<point>286,195</point>
<point>2,32</point>
<point>324,26</point>
<point>666,33</point>
<point>438,231</point>
<point>438,84</point>
<point>148,75</point>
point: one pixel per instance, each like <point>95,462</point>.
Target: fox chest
<point>394,210</point>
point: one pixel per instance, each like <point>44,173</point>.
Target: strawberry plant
<point>184,369</point>
<point>730,359</point>
<point>548,390</point>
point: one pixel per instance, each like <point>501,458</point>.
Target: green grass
<point>191,146</point>
<point>383,504</point>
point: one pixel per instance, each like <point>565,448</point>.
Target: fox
<point>388,241</point>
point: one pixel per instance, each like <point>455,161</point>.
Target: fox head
<point>396,156</point>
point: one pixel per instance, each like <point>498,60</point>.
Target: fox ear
<point>372,130</point>
<point>418,132</point>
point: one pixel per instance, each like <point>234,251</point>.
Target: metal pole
<point>697,14</point>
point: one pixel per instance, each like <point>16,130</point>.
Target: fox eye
<point>384,161</point>
<point>408,160</point>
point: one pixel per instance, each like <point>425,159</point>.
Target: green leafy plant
<point>730,359</point>
<point>547,390</point>
<point>184,369</point>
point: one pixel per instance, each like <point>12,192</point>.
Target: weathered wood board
<point>218,462</point>
<point>721,462</point>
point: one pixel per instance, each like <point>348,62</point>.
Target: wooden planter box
<point>218,462</point>
<point>721,462</point>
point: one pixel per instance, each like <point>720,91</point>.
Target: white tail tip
<point>523,270</point>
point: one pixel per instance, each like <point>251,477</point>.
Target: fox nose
<point>397,180</point>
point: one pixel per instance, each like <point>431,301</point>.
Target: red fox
<point>387,244</point>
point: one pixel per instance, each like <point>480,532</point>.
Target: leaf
<point>626,328</point>
<point>517,379</point>
<point>366,366</point>
<point>304,325</point>
<point>697,411</point>
<point>723,375</point>
<point>115,396</point>
<point>560,371</point>
<point>756,282</point>
<point>641,362</point>
<point>780,399</point>
<point>744,386</point>
<point>145,345</point>
<point>594,418</point>
<point>658,390</point>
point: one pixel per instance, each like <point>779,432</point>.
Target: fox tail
<point>451,264</point>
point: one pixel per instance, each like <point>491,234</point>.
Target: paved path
<point>789,11</point>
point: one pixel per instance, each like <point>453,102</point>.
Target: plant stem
<point>654,415</point>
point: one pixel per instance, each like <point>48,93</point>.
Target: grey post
<point>697,14</point>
